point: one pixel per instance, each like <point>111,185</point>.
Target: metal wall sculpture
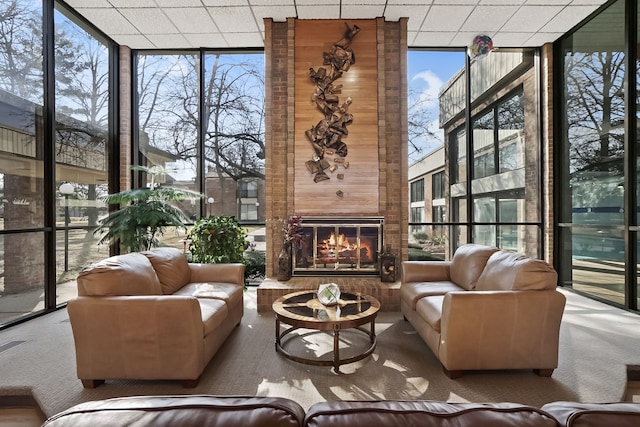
<point>326,137</point>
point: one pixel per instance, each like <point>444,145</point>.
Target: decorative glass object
<point>328,293</point>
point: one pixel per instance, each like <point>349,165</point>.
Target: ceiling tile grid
<point>163,24</point>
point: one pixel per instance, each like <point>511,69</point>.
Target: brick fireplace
<point>368,182</point>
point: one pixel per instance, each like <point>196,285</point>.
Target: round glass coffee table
<point>303,310</point>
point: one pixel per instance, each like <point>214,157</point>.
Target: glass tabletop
<point>306,305</point>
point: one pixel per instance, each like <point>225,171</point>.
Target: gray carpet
<point>597,342</point>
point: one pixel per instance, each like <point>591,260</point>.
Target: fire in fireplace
<point>338,246</point>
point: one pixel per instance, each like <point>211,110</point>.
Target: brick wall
<point>391,79</point>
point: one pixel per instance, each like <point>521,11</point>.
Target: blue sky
<point>427,72</point>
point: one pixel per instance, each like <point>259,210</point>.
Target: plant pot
<point>284,263</point>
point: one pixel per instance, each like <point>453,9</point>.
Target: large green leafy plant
<point>144,214</point>
<point>217,239</point>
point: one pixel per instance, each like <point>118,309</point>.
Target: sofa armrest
<point>425,271</point>
<point>225,273</point>
<point>501,329</point>
<point>137,336</point>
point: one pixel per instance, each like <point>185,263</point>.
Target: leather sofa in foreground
<point>153,315</point>
<point>251,411</point>
<point>486,309</point>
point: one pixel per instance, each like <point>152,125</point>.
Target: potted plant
<point>144,214</point>
<point>217,239</point>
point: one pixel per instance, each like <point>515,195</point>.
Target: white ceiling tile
<point>500,2</point>
<point>290,3</point>
<point>363,2</point>
<point>278,13</point>
<point>415,14</point>
<point>245,39</point>
<point>455,2</point>
<point>434,39</point>
<point>504,39</point>
<point>361,11</point>
<point>408,2</point>
<point>169,41</point>
<point>587,2</point>
<point>133,4</point>
<point>488,18</point>
<point>109,20</point>
<point>149,21</point>
<point>88,3</point>
<point>233,19</point>
<point>316,3</point>
<point>213,40</point>
<point>530,18</point>
<point>224,2</point>
<point>567,18</point>
<point>178,3</point>
<point>539,39</point>
<point>318,12</point>
<point>137,41</point>
<point>446,18</point>
<point>191,19</point>
<point>548,2</point>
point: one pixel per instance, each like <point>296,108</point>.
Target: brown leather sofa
<point>486,309</point>
<point>251,411</point>
<point>153,315</point>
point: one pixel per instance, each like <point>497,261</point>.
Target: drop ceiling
<point>174,24</point>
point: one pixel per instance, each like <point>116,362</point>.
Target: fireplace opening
<point>338,246</point>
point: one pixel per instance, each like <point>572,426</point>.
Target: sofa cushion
<point>410,293</point>
<point>467,264</point>
<point>214,313</point>
<point>424,413</point>
<point>430,310</point>
<point>183,411</point>
<point>228,292</point>
<point>574,414</point>
<point>511,271</point>
<point>171,267</point>
<point>129,274</point>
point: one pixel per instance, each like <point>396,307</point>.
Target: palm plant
<point>144,214</point>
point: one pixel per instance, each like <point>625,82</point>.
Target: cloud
<point>429,95</point>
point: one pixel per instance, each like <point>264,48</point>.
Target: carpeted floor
<point>597,342</point>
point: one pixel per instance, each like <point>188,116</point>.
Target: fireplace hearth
<point>338,246</point>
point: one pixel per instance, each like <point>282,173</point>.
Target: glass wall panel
<point>21,163</point>
<point>168,120</point>
<point>82,161</point>
<point>234,133</point>
<point>593,149</point>
<point>22,285</point>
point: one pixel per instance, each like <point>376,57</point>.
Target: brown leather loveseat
<point>153,315</point>
<point>251,411</point>
<point>485,309</point>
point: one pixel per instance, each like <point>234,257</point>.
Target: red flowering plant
<point>292,230</point>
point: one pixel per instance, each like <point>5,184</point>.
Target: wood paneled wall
<point>360,184</point>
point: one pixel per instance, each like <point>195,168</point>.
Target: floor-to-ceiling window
<point>200,122</point>
<point>53,163</point>
<point>81,146</point>
<point>595,168</point>
<point>493,164</point>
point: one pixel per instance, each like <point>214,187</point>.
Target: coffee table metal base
<point>336,362</point>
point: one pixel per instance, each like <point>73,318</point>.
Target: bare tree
<point>233,110</point>
<point>21,50</point>
<point>422,137</point>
